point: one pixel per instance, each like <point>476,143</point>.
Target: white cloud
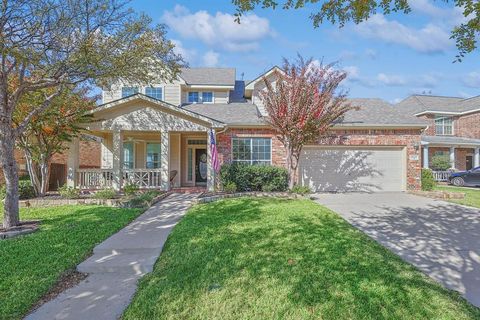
<point>391,80</point>
<point>210,59</point>
<point>449,16</point>
<point>219,30</point>
<point>370,53</point>
<point>353,73</point>
<point>188,54</point>
<point>465,95</point>
<point>429,39</point>
<point>472,79</point>
<point>429,80</point>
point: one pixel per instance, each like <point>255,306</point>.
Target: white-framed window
<point>252,150</point>
<point>128,91</point>
<point>207,97</point>
<point>154,92</point>
<point>128,155</point>
<point>443,126</point>
<point>200,97</point>
<point>153,155</point>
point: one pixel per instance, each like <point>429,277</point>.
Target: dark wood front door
<point>200,166</point>
<point>469,162</point>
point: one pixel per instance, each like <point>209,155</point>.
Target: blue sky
<point>389,57</point>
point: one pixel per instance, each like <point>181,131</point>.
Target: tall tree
<point>303,102</point>
<point>50,131</point>
<point>465,34</point>
<point>54,44</point>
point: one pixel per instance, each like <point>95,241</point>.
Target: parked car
<point>466,178</point>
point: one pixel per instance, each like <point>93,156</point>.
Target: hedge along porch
<point>144,141</point>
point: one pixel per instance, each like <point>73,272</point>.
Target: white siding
<point>219,96</point>
<point>260,86</point>
<point>171,92</point>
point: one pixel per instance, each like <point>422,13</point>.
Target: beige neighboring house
<point>149,133</point>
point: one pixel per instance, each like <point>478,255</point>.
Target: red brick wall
<point>403,137</point>
<point>464,126</point>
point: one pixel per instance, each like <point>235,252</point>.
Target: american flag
<point>214,152</point>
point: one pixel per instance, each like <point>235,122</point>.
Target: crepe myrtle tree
<point>53,44</point>
<point>465,33</point>
<point>303,102</point>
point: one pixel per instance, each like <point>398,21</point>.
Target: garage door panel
<point>352,170</point>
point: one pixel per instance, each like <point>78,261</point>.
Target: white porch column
<point>210,171</point>
<point>117,160</point>
<point>164,166</point>
<point>73,162</point>
<point>476,158</point>
<point>452,157</point>
<point>425,157</point>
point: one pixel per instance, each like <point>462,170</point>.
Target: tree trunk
<point>11,216</point>
<point>33,172</point>
<point>45,174</point>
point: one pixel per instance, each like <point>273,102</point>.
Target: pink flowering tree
<point>303,102</point>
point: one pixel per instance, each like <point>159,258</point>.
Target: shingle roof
<point>209,76</point>
<point>420,103</point>
<point>378,112</point>
<point>450,140</point>
<point>232,113</point>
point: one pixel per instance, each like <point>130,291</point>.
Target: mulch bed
<point>68,279</point>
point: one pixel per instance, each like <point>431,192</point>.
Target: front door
<point>469,162</point>
<point>200,166</point>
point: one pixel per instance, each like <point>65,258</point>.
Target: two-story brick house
<point>453,128</point>
<point>152,133</point>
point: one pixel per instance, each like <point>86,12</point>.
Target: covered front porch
<point>462,153</point>
<point>150,144</point>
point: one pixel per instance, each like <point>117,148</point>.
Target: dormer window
<point>200,97</point>
<point>154,92</point>
<point>443,126</point>
<point>128,91</point>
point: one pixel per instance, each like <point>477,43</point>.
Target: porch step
<point>129,263</point>
<point>190,190</point>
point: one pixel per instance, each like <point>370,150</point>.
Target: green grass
<point>254,258</point>
<point>31,264</point>
<point>472,196</point>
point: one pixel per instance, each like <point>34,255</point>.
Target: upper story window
<point>252,150</point>
<point>200,97</point>
<point>193,97</point>
<point>154,92</point>
<point>443,125</point>
<point>128,91</point>
<point>207,97</point>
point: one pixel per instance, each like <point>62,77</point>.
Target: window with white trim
<point>128,91</point>
<point>128,155</point>
<point>193,97</point>
<point>153,155</point>
<point>252,150</point>
<point>154,92</point>
<point>200,97</point>
<point>207,97</point>
<point>443,126</point>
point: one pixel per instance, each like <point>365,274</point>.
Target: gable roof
<point>251,84</point>
<point>209,76</point>
<point>423,104</point>
<point>160,104</point>
<point>378,112</point>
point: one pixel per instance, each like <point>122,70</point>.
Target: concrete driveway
<point>438,237</point>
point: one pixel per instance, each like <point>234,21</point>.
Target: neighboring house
<point>453,128</point>
<point>150,132</point>
<point>89,157</point>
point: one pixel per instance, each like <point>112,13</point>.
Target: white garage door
<point>353,169</point>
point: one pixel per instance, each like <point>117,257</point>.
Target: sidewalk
<point>117,264</point>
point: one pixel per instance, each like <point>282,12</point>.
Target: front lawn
<point>472,196</point>
<point>30,265</point>
<point>254,258</point>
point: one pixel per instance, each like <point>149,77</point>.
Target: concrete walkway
<point>117,264</point>
<point>440,238</point>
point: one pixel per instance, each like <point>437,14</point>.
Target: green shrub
<point>428,182</point>
<point>25,190</point>
<point>254,177</point>
<point>143,200</point>
<point>107,193</point>
<point>303,190</point>
<point>440,163</point>
<point>69,192</point>
<point>230,187</point>
<point>130,189</point>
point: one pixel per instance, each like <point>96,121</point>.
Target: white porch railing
<point>94,178</point>
<point>143,178</point>
<point>441,176</point>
